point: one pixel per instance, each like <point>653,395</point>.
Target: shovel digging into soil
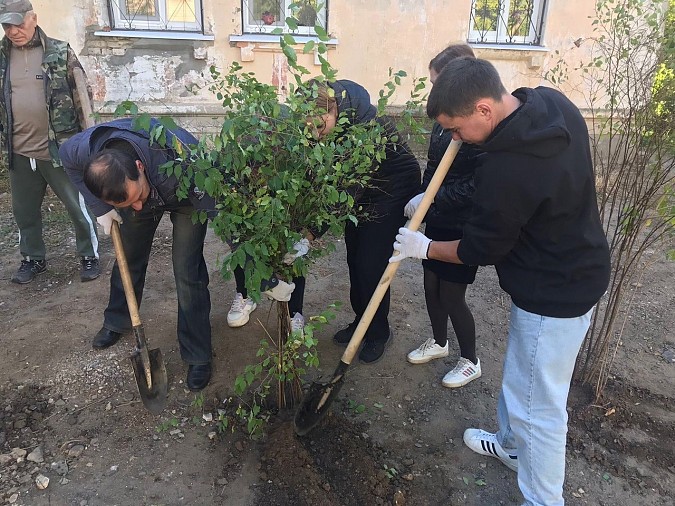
<point>321,395</point>
<point>147,364</point>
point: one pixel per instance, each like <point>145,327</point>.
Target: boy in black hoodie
<point>535,217</point>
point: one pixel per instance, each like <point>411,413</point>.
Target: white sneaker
<point>298,324</point>
<point>427,352</point>
<point>464,372</point>
<point>238,315</point>
<point>486,443</point>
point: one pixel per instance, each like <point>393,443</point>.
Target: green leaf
<point>465,480</point>
<point>288,38</point>
<point>321,33</point>
<point>309,47</point>
<point>290,54</point>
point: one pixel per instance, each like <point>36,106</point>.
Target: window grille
<point>265,16</point>
<point>506,21</point>
<point>157,15</point>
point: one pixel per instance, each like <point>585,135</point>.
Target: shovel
<point>148,364</point>
<point>320,396</point>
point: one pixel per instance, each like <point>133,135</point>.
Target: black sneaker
<point>373,351</point>
<point>28,270</point>
<point>342,337</point>
<point>91,269</point>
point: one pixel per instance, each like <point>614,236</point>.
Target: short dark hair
<point>107,172</point>
<point>451,52</point>
<point>462,83</point>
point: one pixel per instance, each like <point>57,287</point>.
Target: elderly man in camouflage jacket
<point>38,111</point>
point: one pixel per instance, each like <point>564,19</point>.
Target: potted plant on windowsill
<point>268,18</point>
<point>307,13</point>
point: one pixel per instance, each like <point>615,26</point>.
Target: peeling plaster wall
<point>373,36</point>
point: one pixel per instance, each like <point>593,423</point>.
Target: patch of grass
<point>355,407</point>
<point>391,472</point>
<point>198,401</point>
<point>167,425</point>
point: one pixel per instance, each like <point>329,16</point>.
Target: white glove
<point>301,249</point>
<point>410,244</point>
<point>282,292</point>
<point>412,205</point>
<point>107,219</point>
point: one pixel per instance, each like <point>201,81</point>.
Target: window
<point>264,16</point>
<point>170,15</point>
<point>506,21</point>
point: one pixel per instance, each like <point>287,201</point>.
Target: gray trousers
<point>29,179</point>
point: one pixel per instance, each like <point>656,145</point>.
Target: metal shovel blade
<point>155,397</point>
<point>316,402</point>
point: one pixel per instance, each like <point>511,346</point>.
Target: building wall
<point>168,76</point>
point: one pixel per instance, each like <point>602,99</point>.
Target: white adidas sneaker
<point>486,443</point>
<point>464,372</point>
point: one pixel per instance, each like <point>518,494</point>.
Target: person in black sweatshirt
<point>445,283</point>
<point>535,217</point>
<point>394,181</point>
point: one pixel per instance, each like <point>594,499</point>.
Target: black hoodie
<point>396,179</point>
<point>535,214</point>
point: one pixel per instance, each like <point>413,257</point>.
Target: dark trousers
<point>29,184</point>
<point>190,272</point>
<point>369,247</point>
<point>297,297</point>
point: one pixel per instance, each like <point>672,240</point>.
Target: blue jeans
<point>190,273</point>
<point>532,409</point>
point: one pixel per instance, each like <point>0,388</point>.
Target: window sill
<point>533,56</point>
<point>141,34</point>
<point>509,47</point>
<point>270,38</point>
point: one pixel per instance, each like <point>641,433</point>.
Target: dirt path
<point>99,446</point>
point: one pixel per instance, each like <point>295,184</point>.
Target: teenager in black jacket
<point>445,284</point>
<point>535,217</point>
<point>394,182</point>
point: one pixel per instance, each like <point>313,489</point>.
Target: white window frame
<point>161,23</point>
<point>261,28</point>
<point>501,35</point>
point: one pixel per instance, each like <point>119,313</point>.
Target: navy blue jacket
<point>76,152</point>
<point>397,178</point>
<point>535,212</point>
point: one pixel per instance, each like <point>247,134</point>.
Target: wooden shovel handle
<point>391,269</point>
<point>124,273</point>
<point>83,96</point>
<point>87,111</point>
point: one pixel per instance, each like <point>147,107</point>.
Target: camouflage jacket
<point>61,98</point>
